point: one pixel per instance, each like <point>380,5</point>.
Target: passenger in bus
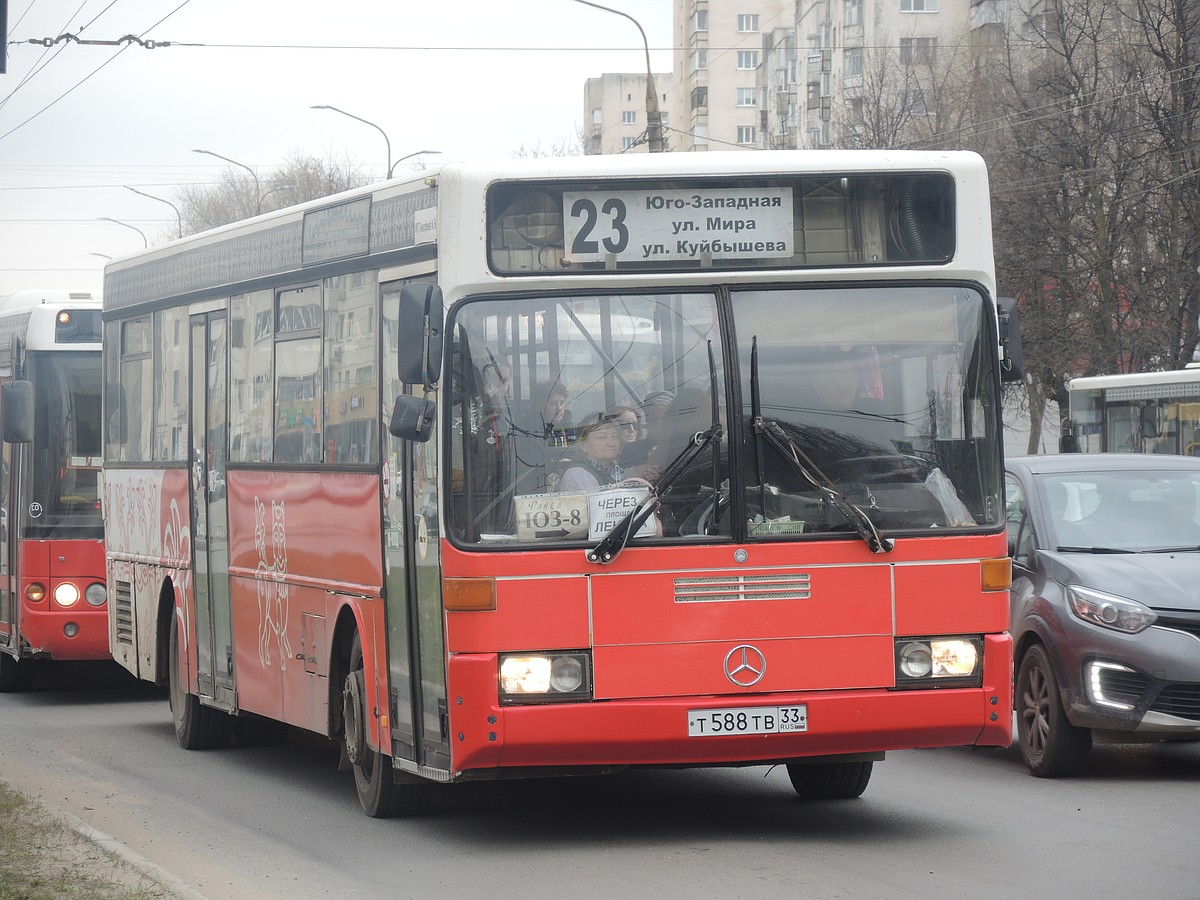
<point>556,418</point>
<point>592,462</point>
<point>649,416</point>
<point>845,378</point>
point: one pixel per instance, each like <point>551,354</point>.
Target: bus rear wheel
<point>197,727</point>
<point>830,780</point>
<point>16,675</point>
<point>381,797</point>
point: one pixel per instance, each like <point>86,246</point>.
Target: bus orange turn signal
<point>468,594</point>
<point>995,574</point>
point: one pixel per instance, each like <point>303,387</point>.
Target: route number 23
<point>591,230</point>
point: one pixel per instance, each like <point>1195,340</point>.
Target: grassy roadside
<point>43,858</point>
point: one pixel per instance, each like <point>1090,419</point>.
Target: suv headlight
<point>1109,610</point>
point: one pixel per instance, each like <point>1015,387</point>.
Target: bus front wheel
<point>381,797</point>
<point>197,727</point>
<point>16,675</point>
<point>830,780</point>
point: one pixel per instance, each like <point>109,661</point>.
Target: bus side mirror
<point>1068,442</point>
<point>419,334</point>
<point>1012,362</point>
<point>18,412</point>
<point>412,418</point>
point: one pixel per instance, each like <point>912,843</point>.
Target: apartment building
<point>615,110</point>
<point>715,104</point>
<point>791,74</point>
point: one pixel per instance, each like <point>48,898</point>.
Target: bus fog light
<point>70,629</point>
<point>916,659</point>
<point>66,594</point>
<point>96,594</point>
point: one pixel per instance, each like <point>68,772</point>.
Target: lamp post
<point>178,214</point>
<point>253,174</point>
<point>145,243</point>
<point>409,156</point>
<point>365,122</point>
<point>653,119</point>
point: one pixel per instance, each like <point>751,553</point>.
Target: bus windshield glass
<point>61,496</point>
<point>566,413</point>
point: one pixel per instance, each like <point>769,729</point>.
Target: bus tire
<point>378,793</point>
<point>1050,745</point>
<point>830,780</point>
<point>16,675</point>
<point>197,727</point>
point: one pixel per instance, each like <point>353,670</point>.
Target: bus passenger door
<point>416,649</point>
<point>9,629</point>
<point>214,640</point>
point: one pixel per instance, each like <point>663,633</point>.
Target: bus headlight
<point>939,662</point>
<point>552,677</point>
<point>66,594</point>
<point>96,594</point>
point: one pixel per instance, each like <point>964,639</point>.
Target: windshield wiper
<point>859,520</point>
<point>1093,550</point>
<point>1190,549</point>
<point>772,433</point>
<point>606,551</point>
<point>614,542</point>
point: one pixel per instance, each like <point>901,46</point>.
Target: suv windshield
<point>839,411</point>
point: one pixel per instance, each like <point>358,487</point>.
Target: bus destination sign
<point>672,225</point>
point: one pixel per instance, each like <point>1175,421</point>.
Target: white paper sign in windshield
<point>672,225</point>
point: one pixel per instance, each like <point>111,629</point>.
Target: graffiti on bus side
<point>271,584</point>
<point>145,521</point>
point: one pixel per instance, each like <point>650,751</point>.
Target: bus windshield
<point>567,411</point>
<point>61,498</point>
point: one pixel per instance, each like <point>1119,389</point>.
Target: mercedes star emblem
<point>745,665</point>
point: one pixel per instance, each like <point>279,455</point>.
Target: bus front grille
<point>719,588</point>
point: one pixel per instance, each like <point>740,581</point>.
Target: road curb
<point>107,842</point>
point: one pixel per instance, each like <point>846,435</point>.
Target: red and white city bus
<point>53,601</point>
<point>777,571</point>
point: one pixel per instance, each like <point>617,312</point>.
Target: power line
<point>87,77</point>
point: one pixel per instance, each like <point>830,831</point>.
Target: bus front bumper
<point>485,735</point>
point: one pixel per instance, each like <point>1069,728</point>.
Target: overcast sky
<point>471,78</point>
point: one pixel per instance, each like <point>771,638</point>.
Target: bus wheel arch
<point>379,793</point>
<point>163,632</point>
<point>197,727</point>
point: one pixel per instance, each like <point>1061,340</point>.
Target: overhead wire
<point>91,74</point>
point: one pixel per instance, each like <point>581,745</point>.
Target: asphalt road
<point>283,822</point>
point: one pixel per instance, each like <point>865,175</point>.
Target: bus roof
<point>1134,379</point>
<point>395,221</point>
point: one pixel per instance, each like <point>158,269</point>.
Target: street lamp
<point>178,214</point>
<point>253,174</point>
<point>145,243</point>
<point>365,122</point>
<point>409,156</point>
<point>653,119</point>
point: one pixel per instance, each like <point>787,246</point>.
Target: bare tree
<point>237,196</point>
